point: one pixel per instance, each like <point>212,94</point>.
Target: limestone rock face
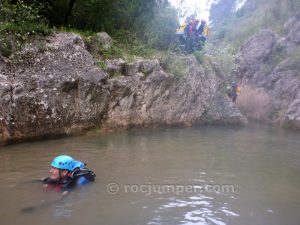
<point>271,62</point>
<point>54,87</point>
<point>256,51</point>
<point>159,98</point>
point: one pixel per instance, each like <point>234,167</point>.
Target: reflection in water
<point>263,164</point>
<point>64,208</point>
<point>194,210</point>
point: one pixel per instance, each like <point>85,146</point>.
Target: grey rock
<point>103,40</point>
<point>255,52</point>
<point>282,80</point>
<point>148,66</point>
<point>115,66</point>
<point>55,88</point>
<point>161,99</point>
<point>130,69</point>
<point>56,92</point>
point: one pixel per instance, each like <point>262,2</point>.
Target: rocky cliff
<point>271,62</point>
<point>54,87</point>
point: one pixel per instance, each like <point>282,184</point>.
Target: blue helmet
<point>65,162</point>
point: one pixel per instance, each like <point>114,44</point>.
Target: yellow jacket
<point>206,31</point>
<point>180,29</point>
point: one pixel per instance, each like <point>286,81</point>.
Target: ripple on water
<point>193,210</point>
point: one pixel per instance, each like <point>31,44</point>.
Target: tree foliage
<point>17,21</point>
<point>148,20</point>
<point>221,10</point>
<point>237,26</point>
<point>160,32</point>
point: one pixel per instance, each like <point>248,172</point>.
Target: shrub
<point>199,56</point>
<point>224,59</point>
<point>130,44</point>
<point>254,103</point>
<point>17,22</point>
<point>160,34</point>
<point>22,19</point>
<point>174,65</point>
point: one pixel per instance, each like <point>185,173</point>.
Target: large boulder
<point>102,41</point>
<point>99,43</point>
<point>53,89</point>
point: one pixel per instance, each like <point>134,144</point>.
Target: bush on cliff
<point>254,103</point>
<point>174,65</point>
<point>17,22</point>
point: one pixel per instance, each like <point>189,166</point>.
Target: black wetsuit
<point>79,176</point>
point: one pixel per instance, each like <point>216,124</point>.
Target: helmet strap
<point>59,173</point>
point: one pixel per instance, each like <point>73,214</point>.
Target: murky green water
<point>204,175</point>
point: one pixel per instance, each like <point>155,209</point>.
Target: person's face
<point>54,173</point>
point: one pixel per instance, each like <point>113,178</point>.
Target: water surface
<point>161,176</point>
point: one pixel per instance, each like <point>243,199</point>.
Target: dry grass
<point>254,103</point>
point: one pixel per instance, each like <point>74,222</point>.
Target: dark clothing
<point>233,96</point>
<point>232,92</point>
<point>201,28</point>
<point>189,29</point>
<point>79,176</point>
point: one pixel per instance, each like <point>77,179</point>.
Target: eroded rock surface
<point>271,62</point>
<point>54,87</point>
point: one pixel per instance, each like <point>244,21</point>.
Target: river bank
<point>54,86</point>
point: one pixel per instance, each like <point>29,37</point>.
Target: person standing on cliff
<point>190,34</point>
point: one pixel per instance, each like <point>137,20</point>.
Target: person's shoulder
<point>83,176</point>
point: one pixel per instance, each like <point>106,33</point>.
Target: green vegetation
<point>102,65</point>
<point>161,35</point>
<point>22,19</point>
<point>137,26</point>
<point>175,65</point>
<point>223,59</point>
<point>19,21</point>
<point>252,17</point>
<point>127,44</point>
